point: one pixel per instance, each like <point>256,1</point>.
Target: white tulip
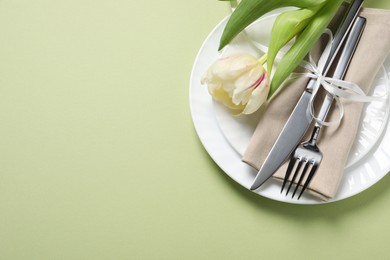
<point>239,81</point>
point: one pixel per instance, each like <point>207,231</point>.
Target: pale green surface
<point>100,160</point>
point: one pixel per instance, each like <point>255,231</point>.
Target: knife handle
<point>343,63</point>
<point>341,34</point>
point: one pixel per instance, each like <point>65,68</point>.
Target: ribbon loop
<point>336,88</point>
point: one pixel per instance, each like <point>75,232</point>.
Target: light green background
<point>99,158</point>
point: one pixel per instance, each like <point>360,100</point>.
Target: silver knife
<point>298,122</point>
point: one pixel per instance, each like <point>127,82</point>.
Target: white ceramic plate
<point>225,137</point>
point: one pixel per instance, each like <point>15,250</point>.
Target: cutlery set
<point>289,143</point>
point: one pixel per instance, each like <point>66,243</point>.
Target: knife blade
<point>298,122</point>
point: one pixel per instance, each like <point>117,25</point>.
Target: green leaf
<point>250,10</point>
<point>287,25</point>
<point>304,43</point>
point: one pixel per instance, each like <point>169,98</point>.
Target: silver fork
<point>308,153</point>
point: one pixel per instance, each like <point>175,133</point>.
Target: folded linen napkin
<point>335,142</point>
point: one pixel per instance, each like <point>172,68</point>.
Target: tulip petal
<point>250,77</point>
<point>246,84</point>
<point>222,96</point>
<point>232,66</point>
<point>258,97</point>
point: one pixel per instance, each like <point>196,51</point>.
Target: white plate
<point>226,137</point>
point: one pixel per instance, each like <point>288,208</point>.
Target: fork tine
<point>295,174</point>
<point>288,172</point>
<point>311,174</point>
<point>301,178</point>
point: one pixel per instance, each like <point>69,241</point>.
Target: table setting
<point>311,133</point>
<point>116,144</point>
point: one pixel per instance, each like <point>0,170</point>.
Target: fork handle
<point>342,66</point>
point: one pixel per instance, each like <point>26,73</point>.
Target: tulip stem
<point>263,59</point>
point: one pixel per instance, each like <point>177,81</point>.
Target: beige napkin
<point>335,141</point>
